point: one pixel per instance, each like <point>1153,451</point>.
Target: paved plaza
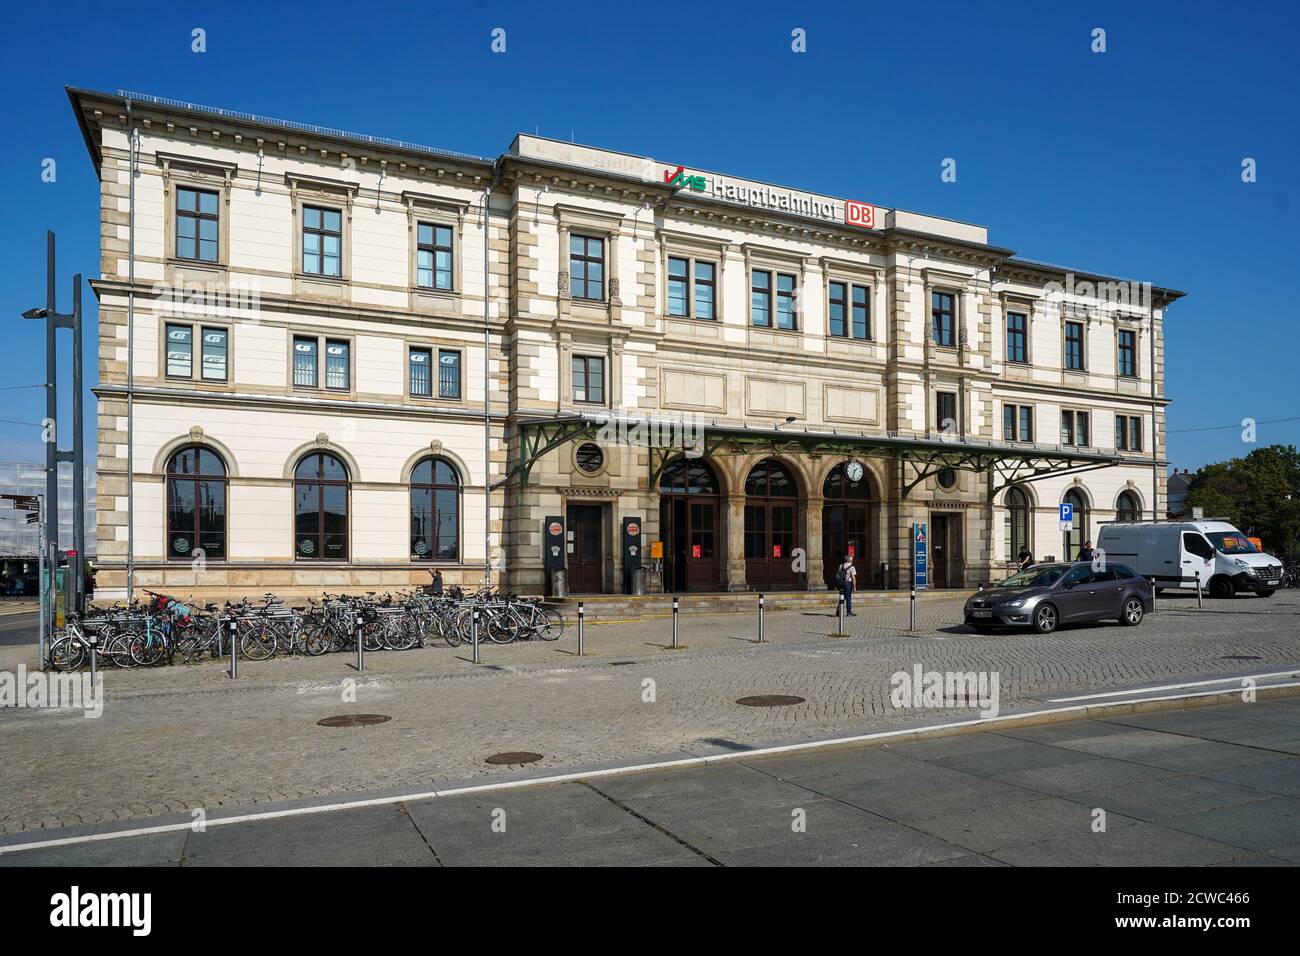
<point>178,738</point>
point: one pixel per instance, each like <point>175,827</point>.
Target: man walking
<point>846,576</point>
<point>1025,557</point>
<point>1086,552</point>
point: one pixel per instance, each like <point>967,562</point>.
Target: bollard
<point>93,640</point>
<point>361,648</point>
<point>839,618</point>
<point>473,632</point>
<point>674,623</point>
<point>1198,590</point>
<point>1153,592</point>
<point>581,614</point>
<point>234,652</point>
<point>911,617</point>
<point>760,619</point>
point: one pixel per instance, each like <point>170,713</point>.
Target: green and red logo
<point>680,180</point>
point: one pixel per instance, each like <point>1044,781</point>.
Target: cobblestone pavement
<point>176,738</point>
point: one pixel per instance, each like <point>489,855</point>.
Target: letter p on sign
<point>860,214</point>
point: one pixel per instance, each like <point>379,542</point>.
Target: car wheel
<point>1133,612</point>
<point>1045,619</point>
<point>1222,587</point>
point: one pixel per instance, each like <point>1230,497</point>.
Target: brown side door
<point>586,557</point>
<point>939,557</point>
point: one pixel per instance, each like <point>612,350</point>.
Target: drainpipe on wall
<point>1155,435</point>
<point>487,383</point>
<point>132,147</point>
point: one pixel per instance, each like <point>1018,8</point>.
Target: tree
<point>1259,493</point>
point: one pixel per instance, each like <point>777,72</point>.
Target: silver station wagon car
<point>1045,596</point>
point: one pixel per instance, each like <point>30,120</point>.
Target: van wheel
<point>1045,619</point>
<point>1222,587</point>
<point>1133,612</point>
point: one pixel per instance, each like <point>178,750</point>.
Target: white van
<point>1173,552</point>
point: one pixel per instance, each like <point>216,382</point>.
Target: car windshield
<point>1231,542</point>
<point>1041,576</point>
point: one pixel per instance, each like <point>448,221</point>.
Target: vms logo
<point>679,179</point>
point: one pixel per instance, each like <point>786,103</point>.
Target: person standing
<point>1025,558</point>
<point>1086,552</point>
<point>846,576</point>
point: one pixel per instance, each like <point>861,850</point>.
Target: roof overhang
<point>667,437</point>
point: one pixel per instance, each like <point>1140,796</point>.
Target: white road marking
<point>1164,687</point>
<point>988,723</point>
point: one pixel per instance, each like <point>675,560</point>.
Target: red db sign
<point>860,214</point>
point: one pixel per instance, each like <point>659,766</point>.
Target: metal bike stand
<point>674,623</point>
<point>760,619</point>
<point>234,652</point>
<point>473,630</point>
<point>581,614</point>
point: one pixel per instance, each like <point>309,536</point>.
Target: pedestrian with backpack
<point>846,579</point>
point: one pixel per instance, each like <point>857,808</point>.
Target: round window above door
<point>947,479</point>
<point>589,458</point>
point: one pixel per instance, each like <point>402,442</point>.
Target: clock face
<point>854,470</point>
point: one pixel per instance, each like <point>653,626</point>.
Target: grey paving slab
<point>1261,825</point>
<point>1095,773</point>
<point>1280,776</point>
<point>1141,844</point>
<point>1012,756</point>
<point>161,849</point>
<point>889,845</point>
<point>987,828</point>
<point>1199,756</point>
<point>1170,796</point>
<point>928,791</point>
<point>367,836</point>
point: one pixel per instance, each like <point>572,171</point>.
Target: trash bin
<point>560,583</point>
<point>639,586</point>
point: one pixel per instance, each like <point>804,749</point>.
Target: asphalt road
<point>1209,786</point>
<point>17,628</point>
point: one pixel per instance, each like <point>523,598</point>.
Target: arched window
<point>839,485</point>
<point>320,502</point>
<point>687,476</point>
<point>1015,523</point>
<point>1078,533</point>
<point>769,479</point>
<point>435,511</point>
<point>196,505</point>
<point>1127,507</point>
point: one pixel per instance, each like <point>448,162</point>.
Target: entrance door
<point>690,529</point>
<point>586,556</point>
<point>844,531</point>
<point>946,563</point>
<point>771,527</point>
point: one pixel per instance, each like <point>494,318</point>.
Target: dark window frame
<point>445,384</point>
<point>1126,353</point>
<point>322,233</point>
<point>943,319</point>
<point>198,217</point>
<point>219,478</point>
<point>1075,358</point>
<point>433,486</point>
<point>941,397</point>
<point>434,247</point>
<point>787,301</point>
<point>586,259</point>
<point>428,352</point>
<point>1017,344</point>
<point>321,483</point>
<point>764,294</point>
<point>585,362</point>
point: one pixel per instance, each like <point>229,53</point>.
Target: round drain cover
<point>770,700</point>
<point>354,720</point>
<point>514,757</point>
<point>1241,657</point>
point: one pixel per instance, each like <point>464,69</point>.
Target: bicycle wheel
<point>258,641</point>
<point>67,653</point>
<point>148,649</point>
<point>502,628</point>
<point>551,624</point>
<point>312,637</point>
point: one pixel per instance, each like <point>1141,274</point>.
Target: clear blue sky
<point>1126,162</point>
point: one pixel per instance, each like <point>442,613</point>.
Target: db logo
<point>860,214</point>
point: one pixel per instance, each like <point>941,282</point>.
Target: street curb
<point>16,842</point>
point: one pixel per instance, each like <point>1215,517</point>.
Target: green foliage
<point>1259,493</point>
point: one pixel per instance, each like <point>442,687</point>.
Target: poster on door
<point>920,562</point>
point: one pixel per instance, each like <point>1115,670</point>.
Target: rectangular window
<point>760,298</point>
<point>587,267</point>
<point>1026,423</point>
<point>861,312</point>
<point>1128,433</point>
<point>304,362</point>
<point>180,351</point>
<point>1074,345</point>
<point>433,256</point>
<point>589,379</point>
<point>1074,428</point>
<point>196,224</point>
<point>419,373</point>
<point>216,349</point>
<point>838,300</point>
<point>705,289</point>
<point>942,318</point>
<point>1017,337</point>
<point>945,408</point>
<point>448,373</point>
<point>1008,423</point>
<point>1018,422</point>
<point>785,317</point>
<point>338,370</point>
<point>679,286</point>
<point>1128,353</point>
<point>322,241</point>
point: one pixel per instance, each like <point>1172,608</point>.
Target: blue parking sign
<point>920,566</point>
<point>1067,513</point>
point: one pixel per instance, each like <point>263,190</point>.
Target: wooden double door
<point>771,536</point>
<point>846,529</point>
<point>689,525</point>
<point>586,552</point>
<point>947,565</point>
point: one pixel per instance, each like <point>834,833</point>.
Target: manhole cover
<point>1241,657</point>
<point>620,663</point>
<point>354,720</point>
<point>514,757</point>
<point>769,700</point>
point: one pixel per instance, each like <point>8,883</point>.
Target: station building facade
<point>351,361</point>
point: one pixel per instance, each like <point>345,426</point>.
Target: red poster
<point>695,551</point>
<point>853,551</point>
<point>776,551</point>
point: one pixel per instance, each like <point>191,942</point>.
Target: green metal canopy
<point>667,437</point>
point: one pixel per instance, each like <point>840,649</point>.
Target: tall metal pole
<point>40,588</point>
<point>77,567</point>
<point>487,404</point>
<point>130,359</point>
<point>1155,432</point>
<point>51,432</point>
